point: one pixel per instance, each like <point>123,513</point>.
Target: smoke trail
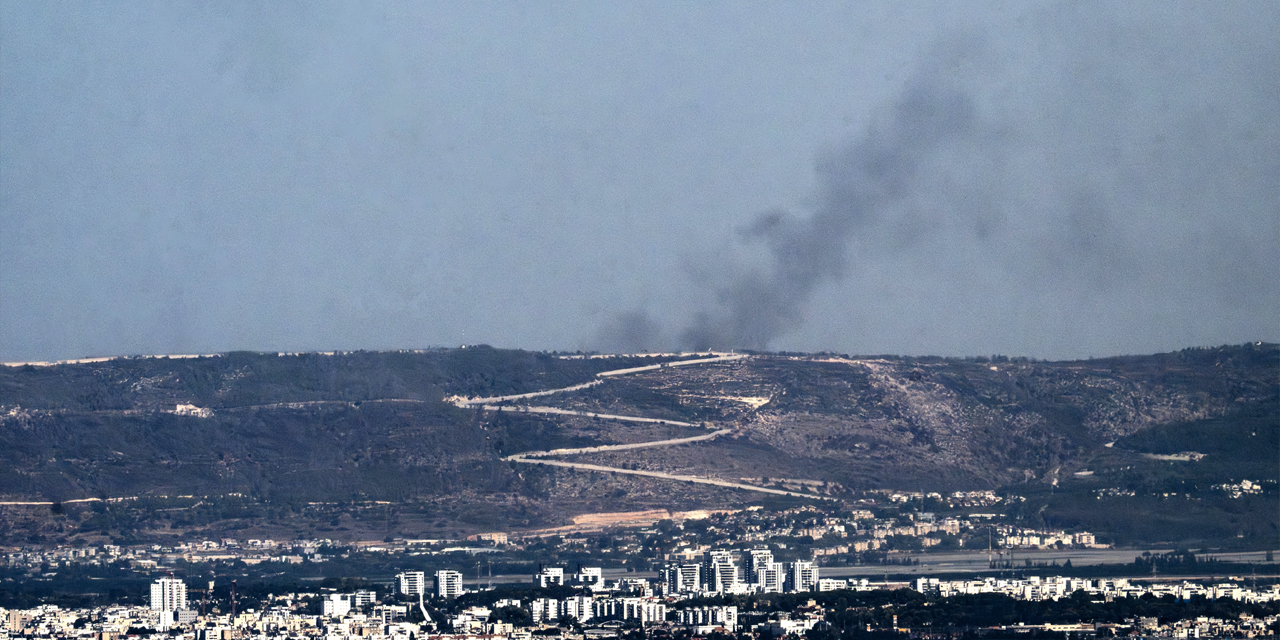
<point>857,184</point>
<point>629,332</point>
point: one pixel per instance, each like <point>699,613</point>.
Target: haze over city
<point>1055,180</point>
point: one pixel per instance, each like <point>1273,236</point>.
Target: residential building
<point>681,578</point>
<point>757,561</point>
<point>548,576</point>
<point>704,619</point>
<point>412,583</point>
<point>363,598</point>
<point>772,578</point>
<point>578,607</point>
<point>544,610</point>
<point>448,584</point>
<point>721,571</point>
<point>590,577</point>
<point>644,610</point>
<point>168,594</point>
<point>336,604</point>
<point>803,576</point>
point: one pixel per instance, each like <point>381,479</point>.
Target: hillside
<point>386,443</point>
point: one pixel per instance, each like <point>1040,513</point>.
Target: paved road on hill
<point>538,457</point>
<point>617,447</point>
<point>667,365</point>
<point>467,402</point>
<point>666,476</point>
<point>585,414</point>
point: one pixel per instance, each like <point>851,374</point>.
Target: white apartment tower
<point>578,607</point>
<point>772,578</point>
<point>168,594</point>
<point>802,577</point>
<point>412,583</point>
<point>448,583</point>
<point>758,561</point>
<point>681,578</point>
<point>721,572</point>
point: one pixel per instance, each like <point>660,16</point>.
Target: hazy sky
<point>1043,179</point>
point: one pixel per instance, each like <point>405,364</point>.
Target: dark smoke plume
<point>857,184</point>
<point>630,332</point>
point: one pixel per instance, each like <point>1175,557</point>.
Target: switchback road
<point>539,457</point>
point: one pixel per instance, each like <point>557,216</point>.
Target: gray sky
<point>1043,179</point>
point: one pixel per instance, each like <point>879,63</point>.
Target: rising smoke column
<point>858,184</point>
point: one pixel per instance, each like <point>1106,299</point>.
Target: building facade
<point>448,584</point>
<point>168,594</point>
<point>412,583</point>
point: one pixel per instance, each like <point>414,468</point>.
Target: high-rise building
<point>721,571</point>
<point>412,583</point>
<point>681,578</point>
<point>168,594</point>
<point>772,578</point>
<point>545,609</point>
<point>578,607</point>
<point>802,577</point>
<point>757,561</point>
<point>448,583</point>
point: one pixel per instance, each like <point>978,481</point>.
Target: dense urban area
<point>730,573</point>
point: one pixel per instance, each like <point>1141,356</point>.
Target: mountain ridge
<point>284,430</point>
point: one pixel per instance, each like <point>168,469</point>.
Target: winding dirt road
<point>666,476</point>
<point>585,414</point>
<point>617,447</point>
<point>539,457</point>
